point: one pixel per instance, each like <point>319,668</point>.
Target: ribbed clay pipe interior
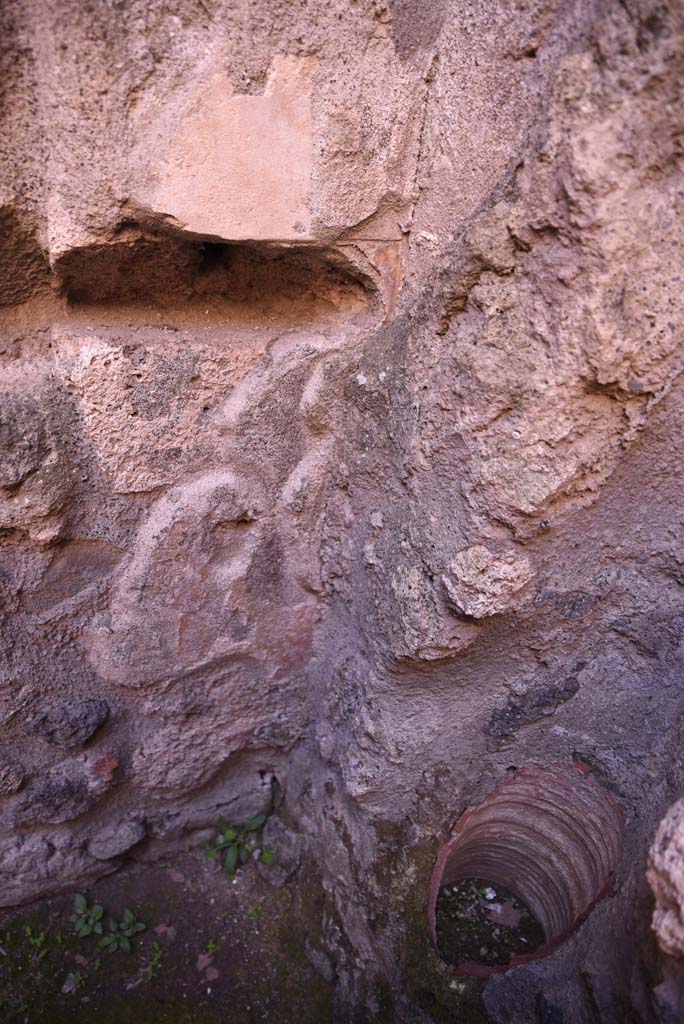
<point>551,835</point>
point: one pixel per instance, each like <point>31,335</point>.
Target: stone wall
<point>340,446</point>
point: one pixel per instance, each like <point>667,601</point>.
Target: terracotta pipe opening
<point>552,836</point>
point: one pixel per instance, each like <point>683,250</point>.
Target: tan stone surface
<point>239,167</point>
<point>480,583</point>
<point>666,878</point>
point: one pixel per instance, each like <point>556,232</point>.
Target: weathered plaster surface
<point>340,445</point>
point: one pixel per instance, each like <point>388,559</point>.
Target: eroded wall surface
<point>341,447</point>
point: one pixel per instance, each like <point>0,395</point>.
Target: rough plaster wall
<point>368,480</point>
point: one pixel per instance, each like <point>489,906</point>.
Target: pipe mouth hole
<point>523,868</point>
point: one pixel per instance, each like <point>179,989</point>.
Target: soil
<point>485,923</point>
<point>212,950</point>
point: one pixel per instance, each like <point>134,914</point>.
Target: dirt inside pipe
<point>481,921</point>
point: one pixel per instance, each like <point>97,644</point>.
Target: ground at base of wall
<point>212,950</point>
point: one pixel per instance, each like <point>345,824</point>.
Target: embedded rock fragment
<point>63,792</point>
<point>11,776</point>
<point>70,723</point>
<point>36,474</point>
<point>480,583</point>
<point>23,442</point>
<point>530,706</point>
<point>424,628</point>
<point>52,862</point>
<point>116,839</point>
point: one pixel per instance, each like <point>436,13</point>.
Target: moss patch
<point>428,982</point>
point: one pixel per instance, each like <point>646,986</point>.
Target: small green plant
<point>155,962</point>
<point>87,920</point>
<point>256,911</point>
<point>37,940</point>
<point>212,946</point>
<point>236,844</point>
<point>120,933</point>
